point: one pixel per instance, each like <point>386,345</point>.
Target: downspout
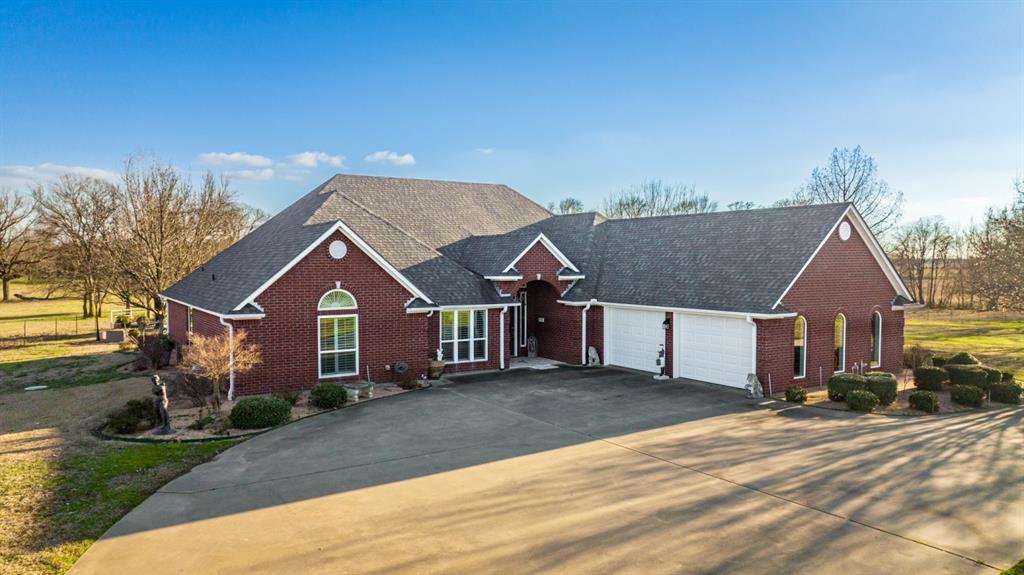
<point>583,337</point>
<point>231,359</point>
<point>501,338</point>
<point>753,348</point>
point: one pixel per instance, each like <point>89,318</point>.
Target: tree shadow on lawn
<point>950,481</point>
<point>88,368</point>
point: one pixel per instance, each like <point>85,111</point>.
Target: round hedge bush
<point>1007,376</point>
<point>861,400</point>
<point>960,374</point>
<point>963,358</point>
<point>260,412</point>
<point>796,394</point>
<point>939,361</point>
<point>328,396</point>
<point>930,378</point>
<point>840,384</point>
<point>967,395</point>
<point>1007,393</point>
<point>925,401</point>
<point>993,374</point>
<point>883,385</point>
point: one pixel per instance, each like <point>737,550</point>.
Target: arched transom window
<point>840,340</point>
<point>337,299</point>
<point>876,339</point>
<point>800,347</point>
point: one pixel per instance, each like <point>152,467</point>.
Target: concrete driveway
<point>590,471</point>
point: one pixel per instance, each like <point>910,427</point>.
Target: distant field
<point>997,338</point>
<point>46,317</point>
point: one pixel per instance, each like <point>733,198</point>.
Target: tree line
<point>980,267</point>
<point>130,239</point>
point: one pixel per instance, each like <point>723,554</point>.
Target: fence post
<point>54,329</point>
<point>24,329</point>
<point>76,326</point>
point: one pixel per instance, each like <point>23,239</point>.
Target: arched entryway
<point>538,316</point>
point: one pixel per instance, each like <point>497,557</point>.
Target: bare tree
<point>166,228</point>
<point>741,205</point>
<point>214,356</point>
<point>852,176</point>
<point>75,214</point>
<point>16,238</point>
<point>999,243</point>
<point>566,206</point>
<point>656,198</point>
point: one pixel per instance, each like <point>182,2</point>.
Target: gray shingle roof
<point>445,236</point>
<point>738,261</point>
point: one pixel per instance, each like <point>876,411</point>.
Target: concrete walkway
<point>590,471</point>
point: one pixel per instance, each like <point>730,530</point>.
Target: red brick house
<point>366,272</point>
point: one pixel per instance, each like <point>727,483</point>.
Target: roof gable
<point>548,245</point>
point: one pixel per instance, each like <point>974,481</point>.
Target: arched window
<point>338,347</point>
<point>800,347</point>
<point>840,341</point>
<point>876,339</point>
<point>336,299</point>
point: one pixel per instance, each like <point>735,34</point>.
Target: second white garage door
<point>713,348</point>
<point>631,337</point>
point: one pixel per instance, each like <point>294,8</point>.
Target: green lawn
<point>996,338</point>
<point>54,508</point>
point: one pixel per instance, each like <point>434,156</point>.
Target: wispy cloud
<point>391,157</point>
<point>312,159</point>
<point>17,176</point>
<point>253,175</point>
<point>234,159</point>
<point>485,151</point>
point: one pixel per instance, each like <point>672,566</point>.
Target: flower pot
<point>435,369</point>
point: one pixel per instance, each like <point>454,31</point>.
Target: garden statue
<point>531,346</point>
<point>160,404</point>
<point>753,387</point>
<point>659,362</point>
<point>592,357</point>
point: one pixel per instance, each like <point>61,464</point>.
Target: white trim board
<point>679,309</point>
<point>360,243</point>
<point>873,246</point>
<point>543,239</point>
<point>213,313</point>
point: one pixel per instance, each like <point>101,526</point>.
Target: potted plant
<point>436,367</point>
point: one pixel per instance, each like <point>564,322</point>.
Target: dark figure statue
<point>160,404</point>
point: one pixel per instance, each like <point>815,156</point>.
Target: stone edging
<point>101,434</point>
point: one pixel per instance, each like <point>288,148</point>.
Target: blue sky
<point>741,100</point>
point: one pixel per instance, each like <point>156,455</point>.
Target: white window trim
<point>320,351</point>
<point>188,325</point>
<point>455,334</point>
<point>547,243</point>
<point>879,362</point>
<point>842,364</point>
<point>355,304</point>
<point>803,360</point>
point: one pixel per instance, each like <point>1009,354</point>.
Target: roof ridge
<point>722,213</point>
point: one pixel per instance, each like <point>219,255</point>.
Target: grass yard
<point>996,338</point>
<point>60,487</point>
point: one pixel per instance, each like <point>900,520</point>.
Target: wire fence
<point>13,332</point>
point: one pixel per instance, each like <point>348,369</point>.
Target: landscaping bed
<point>819,398</point>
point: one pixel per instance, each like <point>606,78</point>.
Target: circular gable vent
<point>844,231</point>
<point>338,249</point>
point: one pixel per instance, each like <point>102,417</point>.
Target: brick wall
<point>202,323</point>
<point>669,341</point>
<point>843,278</point>
<point>288,335</point>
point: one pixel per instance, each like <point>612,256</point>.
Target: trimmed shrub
<point>796,394</point>
<point>967,395</point>
<point>259,412</point>
<point>960,374</point>
<point>994,375</point>
<point>408,380</point>
<point>157,350</point>
<point>842,383</point>
<point>292,397</point>
<point>925,401</point>
<point>861,400</point>
<point>1007,393</point>
<point>915,356</point>
<point>939,361</point>
<point>883,385</point>
<point>1007,376</point>
<point>930,378</point>
<point>134,415</point>
<point>328,396</point>
<point>963,358</point>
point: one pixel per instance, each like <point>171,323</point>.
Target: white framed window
<point>799,347</point>
<point>339,345</point>
<point>876,339</point>
<point>840,343</point>
<point>336,299</point>
<point>464,335</point>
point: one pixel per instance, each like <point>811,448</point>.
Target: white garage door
<point>631,337</point>
<point>712,348</point>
